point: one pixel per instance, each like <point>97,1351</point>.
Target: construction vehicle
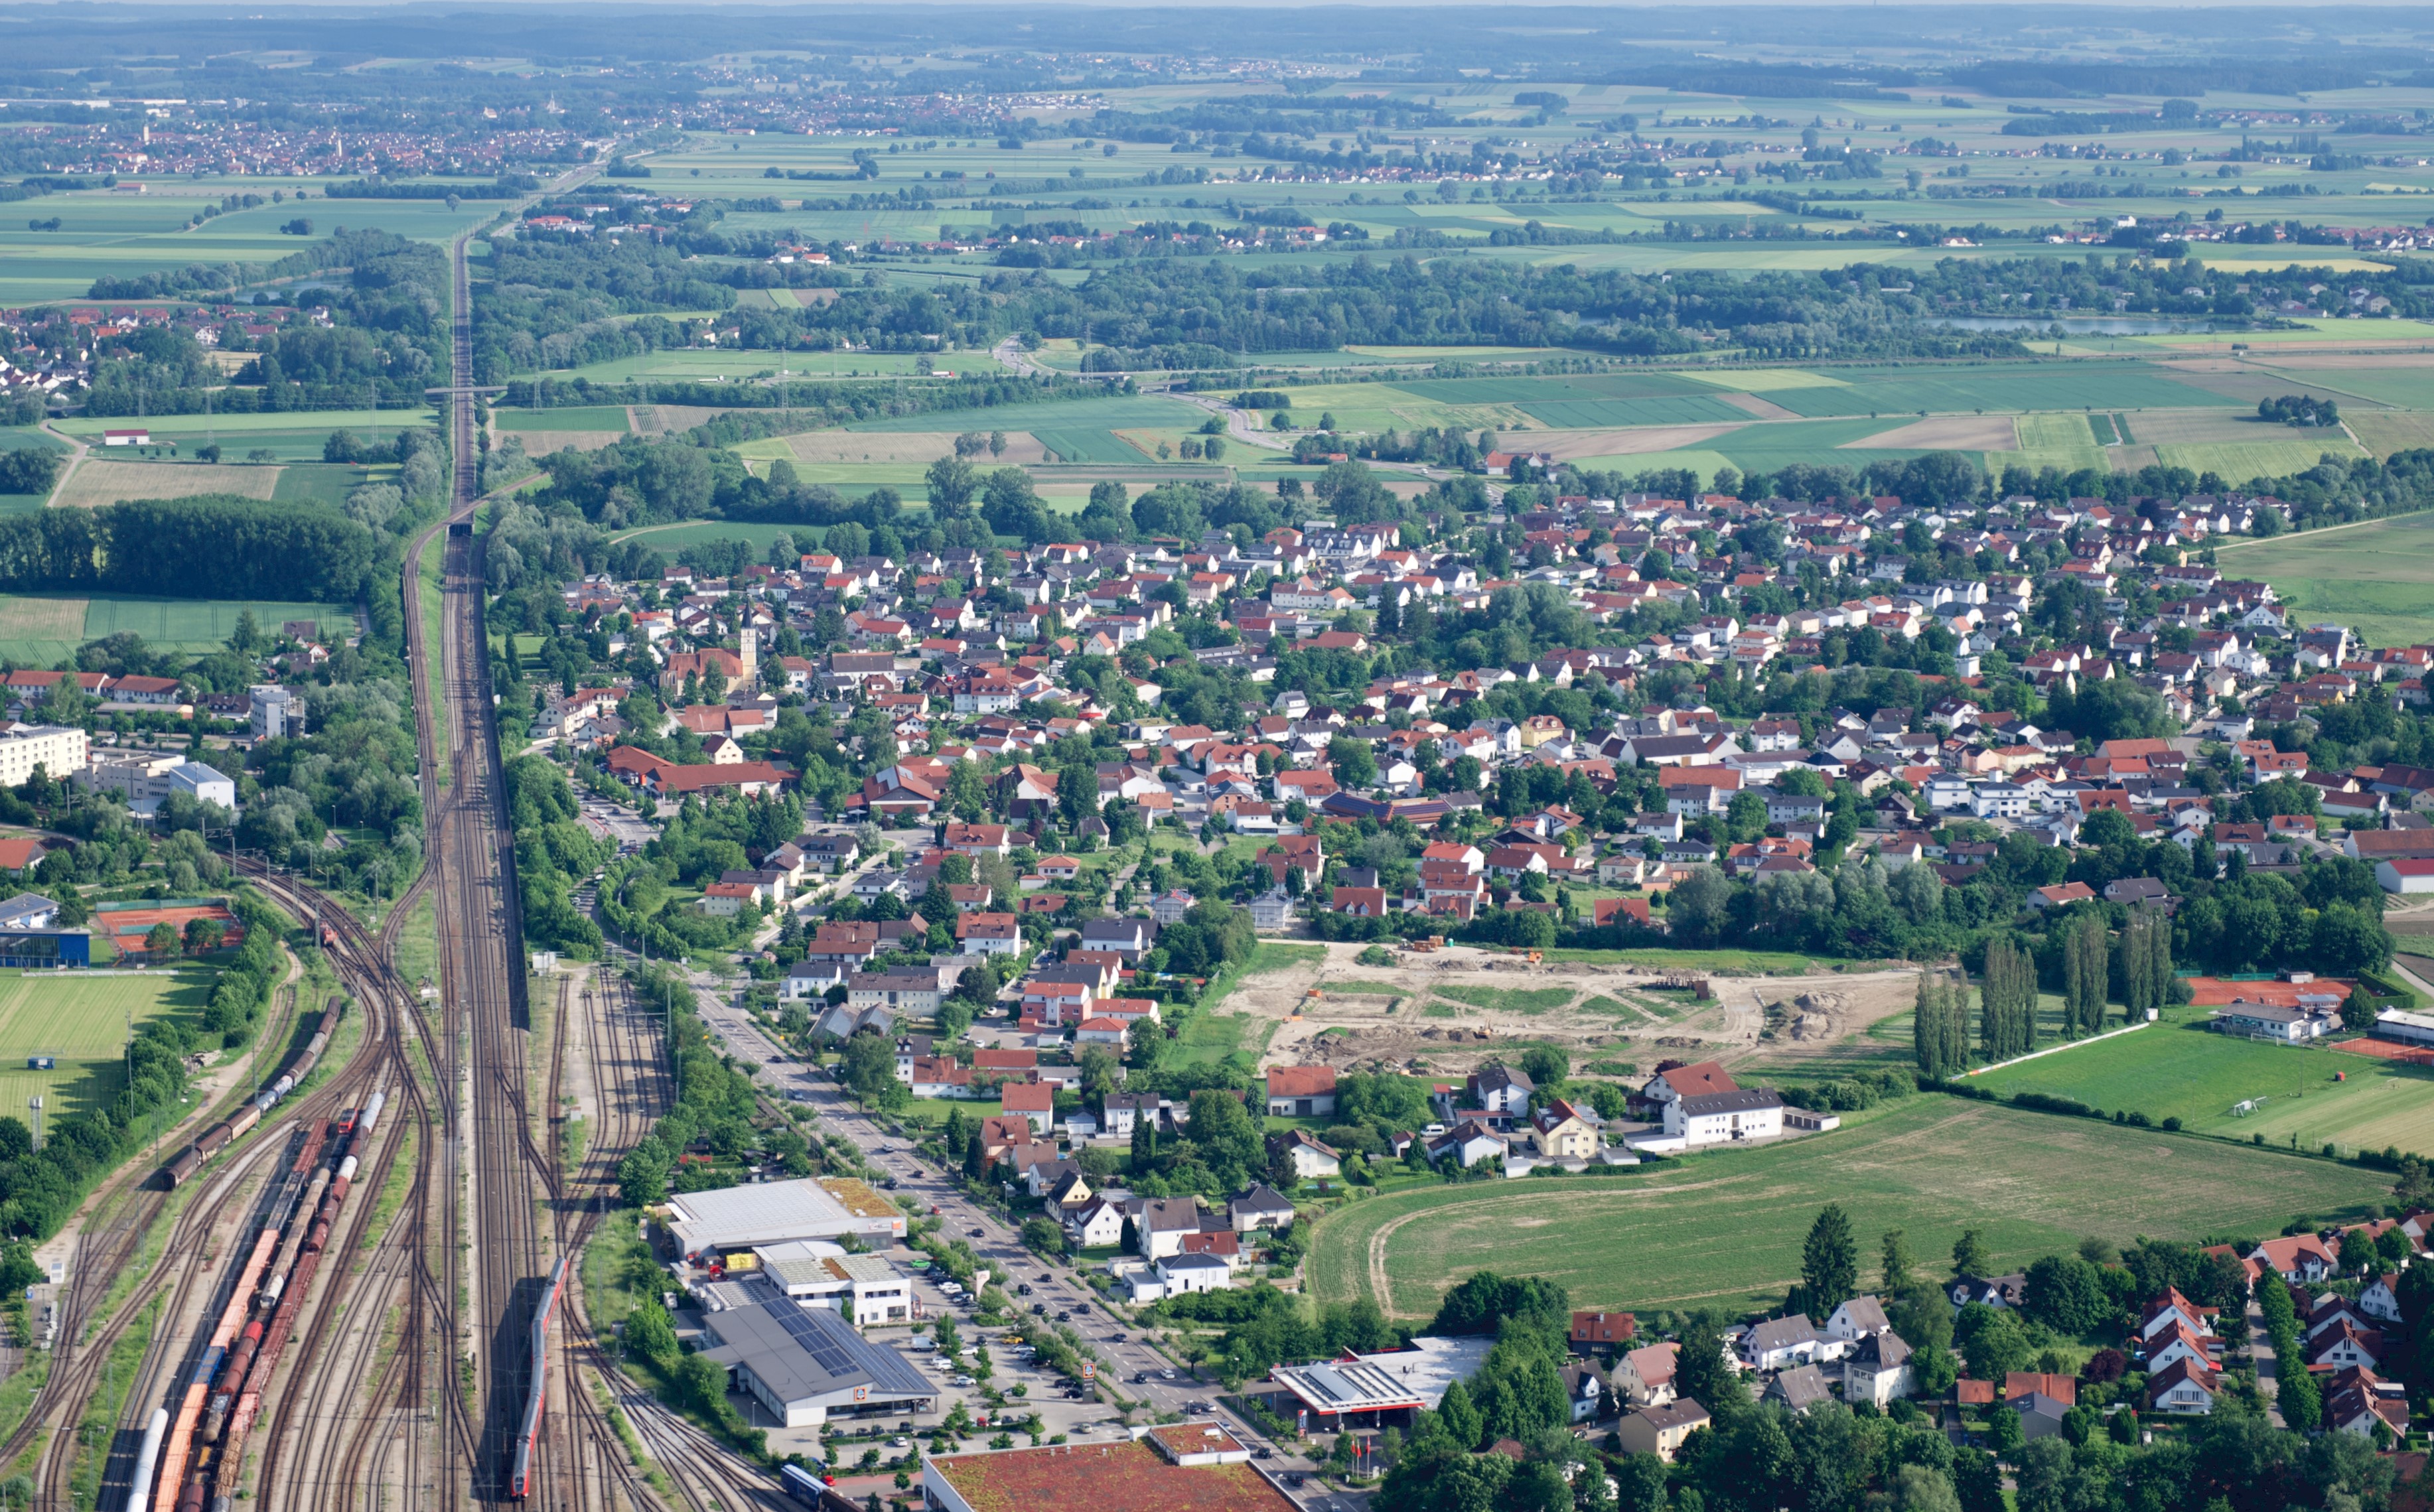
<point>1425,945</point>
<point>1535,956</point>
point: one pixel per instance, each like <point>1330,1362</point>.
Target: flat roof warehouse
<point>736,1218</point>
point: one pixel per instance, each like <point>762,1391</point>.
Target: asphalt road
<point>996,1244</point>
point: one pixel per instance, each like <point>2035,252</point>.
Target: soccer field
<point>2183,1070</point>
<point>1725,1228</point>
<point>82,1020</point>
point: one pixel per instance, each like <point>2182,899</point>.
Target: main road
<point>1167,1388</point>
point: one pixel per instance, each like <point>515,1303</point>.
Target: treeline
<point>715,1108</point>
<point>555,853</point>
<point>814,402</point>
<point>558,300</point>
<point>245,548</point>
<point>246,984</point>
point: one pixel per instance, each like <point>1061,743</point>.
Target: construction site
<point>1446,1010</point>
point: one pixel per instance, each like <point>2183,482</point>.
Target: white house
<point>2184,1389</point>
<point>1860,1318</point>
<point>1878,1371</point>
<point>1725,1118</point>
<point>1780,1342</point>
<point>1095,1225</point>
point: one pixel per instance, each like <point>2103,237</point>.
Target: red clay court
<point>125,924</point>
<point>2214,992</point>
<point>2389,1050</point>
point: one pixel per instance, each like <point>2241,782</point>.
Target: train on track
<point>212,1140</point>
<point>181,1463</point>
<point>520,1475</point>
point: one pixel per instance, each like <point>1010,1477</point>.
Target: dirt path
<point>78,451</point>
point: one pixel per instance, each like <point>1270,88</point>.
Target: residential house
<point>1780,1342</point>
<point>1311,1160</point>
<point>1602,1333</point>
<point>1261,1207</point>
<point>1660,1430</point>
<point>1878,1369</point>
<point>1645,1376</point>
<point>1301,1091</point>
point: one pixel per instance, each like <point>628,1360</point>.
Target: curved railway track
<point>405,1381</point>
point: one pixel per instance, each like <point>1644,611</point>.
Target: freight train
<point>178,1468</point>
<point>212,1140</point>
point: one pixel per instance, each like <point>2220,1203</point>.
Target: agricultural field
<point>2178,1068</point>
<point>116,236</point>
<point>727,364</point>
<point>98,481</point>
<point>82,1020</point>
<point>1725,1228</point>
<point>43,629</point>
<point>291,437</point>
<point>2375,577</point>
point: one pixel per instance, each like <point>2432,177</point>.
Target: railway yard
<point>350,1276</point>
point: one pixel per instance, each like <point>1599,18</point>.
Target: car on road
<point>1140,1378</point>
<point>1166,1375</point>
<point>1117,1338</point>
<point>1264,1451</point>
<point>1022,1290</point>
<point>888,1184</point>
<point>980,1233</point>
<point>1064,1318</point>
<point>900,1443</point>
<point>1039,1308</point>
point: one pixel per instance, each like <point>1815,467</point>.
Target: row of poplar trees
<point>2007,992</point>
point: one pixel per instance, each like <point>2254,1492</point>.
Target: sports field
<point>82,1020</point>
<point>40,629</point>
<point>1725,1228</point>
<point>2181,1069</point>
<point>2378,578</point>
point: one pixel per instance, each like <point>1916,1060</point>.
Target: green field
<point>82,1020</point>
<point>1725,1228</point>
<point>1144,409</point>
<point>106,234</point>
<point>2000,387</point>
<point>2378,578</point>
<point>684,365</point>
<point>1509,999</point>
<point>2181,1069</point>
<point>593,417</point>
<point>1210,1038</point>
<point>325,483</point>
<point>43,629</point>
